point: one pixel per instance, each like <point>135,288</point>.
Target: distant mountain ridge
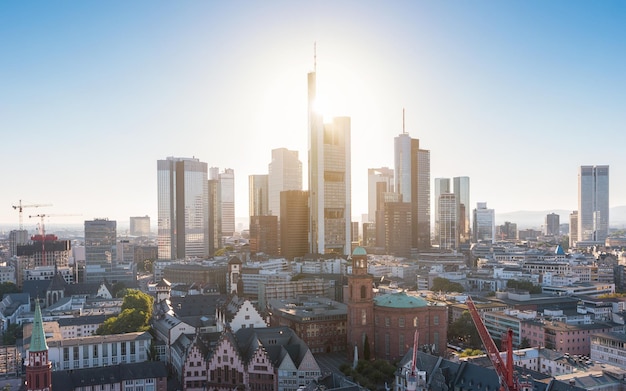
<point>536,219</point>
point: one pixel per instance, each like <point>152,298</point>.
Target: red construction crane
<point>19,207</point>
<point>508,381</point>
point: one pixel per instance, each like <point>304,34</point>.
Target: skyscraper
<point>294,223</point>
<point>100,248</point>
<point>552,225</point>
<point>257,198</point>
<point>412,181</point>
<point>329,180</point>
<point>284,173</point>
<point>442,186</point>
<point>183,208</point>
<point>398,238</point>
<point>379,180</point>
<point>227,189</point>
<point>462,193</point>
<point>215,214</point>
<point>448,221</point>
<point>573,228</point>
<point>264,234</point>
<point>484,223</point>
<point>593,203</point>
<point>140,226</point>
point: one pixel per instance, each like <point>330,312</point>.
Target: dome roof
<point>400,300</point>
<point>359,251</point>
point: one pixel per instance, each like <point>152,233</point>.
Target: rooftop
<point>400,300</point>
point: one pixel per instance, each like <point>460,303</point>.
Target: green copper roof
<point>38,338</point>
<point>400,300</point>
<point>359,251</point>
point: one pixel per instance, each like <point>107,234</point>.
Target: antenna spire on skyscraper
<point>403,129</point>
<point>314,56</point>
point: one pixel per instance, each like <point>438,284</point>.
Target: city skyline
<point>514,96</point>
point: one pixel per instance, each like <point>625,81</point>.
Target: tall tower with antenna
<point>329,178</point>
<point>412,181</point>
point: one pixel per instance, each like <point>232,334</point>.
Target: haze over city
<point>514,95</point>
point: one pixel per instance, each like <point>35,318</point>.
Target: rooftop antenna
<point>403,129</point>
<point>314,56</point>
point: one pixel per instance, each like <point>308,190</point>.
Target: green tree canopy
<point>135,315</point>
<point>523,286</point>
<point>8,287</point>
<point>370,374</point>
<point>464,330</point>
<point>445,285</point>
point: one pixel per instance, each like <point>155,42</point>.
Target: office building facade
<point>329,180</point>
<point>183,208</point>
<point>593,203</point>
<point>257,195</point>
<point>442,186</point>
<point>294,223</point>
<point>215,215</point>
<point>140,226</point>
<point>484,223</point>
<point>379,180</point>
<point>573,228</point>
<point>552,225</point>
<point>448,222</point>
<point>100,242</point>
<point>412,181</point>
<point>398,229</point>
<point>227,194</point>
<point>462,194</point>
<point>284,173</point>
<point>264,234</point>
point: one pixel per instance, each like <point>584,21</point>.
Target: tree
<point>523,286</point>
<point>135,315</point>
<point>117,289</point>
<point>445,285</point>
<point>153,355</point>
<point>370,374</point>
<point>366,348</point>
<point>525,343</point>
<point>471,352</point>
<point>8,287</point>
<point>464,330</point>
<point>14,331</point>
<point>147,265</point>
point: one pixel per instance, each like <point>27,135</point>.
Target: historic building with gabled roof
<point>237,313</point>
<point>255,359</point>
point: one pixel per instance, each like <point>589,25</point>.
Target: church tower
<point>234,276</point>
<point>360,306</point>
<point>38,367</point>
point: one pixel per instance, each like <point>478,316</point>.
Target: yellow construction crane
<point>19,207</point>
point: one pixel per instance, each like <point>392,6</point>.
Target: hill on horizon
<point>536,219</point>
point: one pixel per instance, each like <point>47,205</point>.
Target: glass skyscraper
<point>462,193</point>
<point>412,181</point>
<point>183,208</point>
<point>329,181</point>
<point>593,203</point>
<point>284,173</point>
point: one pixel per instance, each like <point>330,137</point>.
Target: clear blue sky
<point>514,94</point>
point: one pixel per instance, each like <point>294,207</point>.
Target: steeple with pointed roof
<point>38,339</point>
<point>38,366</point>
